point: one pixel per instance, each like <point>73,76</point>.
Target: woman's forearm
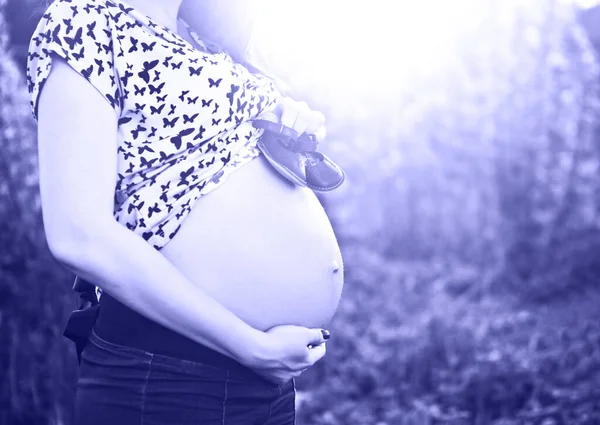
<point>134,273</point>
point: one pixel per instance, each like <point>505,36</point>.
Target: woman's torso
<point>263,248</point>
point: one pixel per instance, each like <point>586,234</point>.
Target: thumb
<point>318,336</point>
<point>270,116</point>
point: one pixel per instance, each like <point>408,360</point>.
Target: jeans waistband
<point>121,325</point>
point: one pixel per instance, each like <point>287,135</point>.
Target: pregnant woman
<point>218,277</point>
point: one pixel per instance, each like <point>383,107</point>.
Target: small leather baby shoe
<point>297,158</point>
<point>273,144</point>
<point>322,173</point>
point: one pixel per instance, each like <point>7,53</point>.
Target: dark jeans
<point>120,384</point>
<point>125,386</point>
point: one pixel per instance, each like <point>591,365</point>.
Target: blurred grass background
<point>469,225</point>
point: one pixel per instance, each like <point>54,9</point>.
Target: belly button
<point>336,267</point>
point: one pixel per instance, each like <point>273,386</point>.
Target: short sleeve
<point>78,31</point>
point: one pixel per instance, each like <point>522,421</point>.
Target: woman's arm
<point>78,168</point>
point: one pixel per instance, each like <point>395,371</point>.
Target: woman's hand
<point>286,351</point>
<point>299,116</point>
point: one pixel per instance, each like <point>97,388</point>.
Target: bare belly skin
<point>264,248</point>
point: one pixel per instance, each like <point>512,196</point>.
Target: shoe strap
<point>273,127</point>
<point>304,143</point>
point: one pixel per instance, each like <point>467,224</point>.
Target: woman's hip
<point>124,385</point>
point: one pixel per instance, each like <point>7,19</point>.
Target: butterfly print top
<point>184,111</point>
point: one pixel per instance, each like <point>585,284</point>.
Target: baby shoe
<point>297,158</point>
<point>273,144</point>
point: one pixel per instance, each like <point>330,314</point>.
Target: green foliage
<point>412,350</point>
<point>36,368</point>
<point>490,160</point>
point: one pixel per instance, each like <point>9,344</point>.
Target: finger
<point>304,119</point>
<point>321,134</point>
<point>316,122</point>
<point>317,336</point>
<point>270,116</point>
<point>288,112</point>
<point>296,115</point>
<point>316,353</point>
<point>299,372</point>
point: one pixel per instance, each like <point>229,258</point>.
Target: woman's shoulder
<point>79,32</point>
<point>101,13</point>
<point>80,17</point>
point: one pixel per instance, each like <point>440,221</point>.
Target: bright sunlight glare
<point>375,45</point>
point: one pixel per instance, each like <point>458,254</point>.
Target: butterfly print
<point>232,92</point>
<point>154,89</point>
<point>200,134</point>
<point>184,175</point>
<point>230,117</point>
<point>114,100</point>
<point>136,132</point>
<point>195,71</point>
<point>167,123</point>
<point>147,163</point>
<point>124,120</point>
<point>153,209</point>
<point>90,31</point>
<point>87,73</point>
<point>182,96</point>
<point>142,149</point>
<point>213,83</point>
<point>125,78</point>
<point>178,139</point>
<point>241,106</point>
<point>226,159</point>
<point>133,47</point>
<point>187,119</point>
<point>130,25</point>
<point>108,47</point>
<point>67,22</point>
<point>79,56</point>
<point>148,66</point>
<point>178,126</point>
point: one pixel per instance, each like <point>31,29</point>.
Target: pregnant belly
<point>263,248</point>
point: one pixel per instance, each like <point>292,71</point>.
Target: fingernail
<point>325,333</point>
